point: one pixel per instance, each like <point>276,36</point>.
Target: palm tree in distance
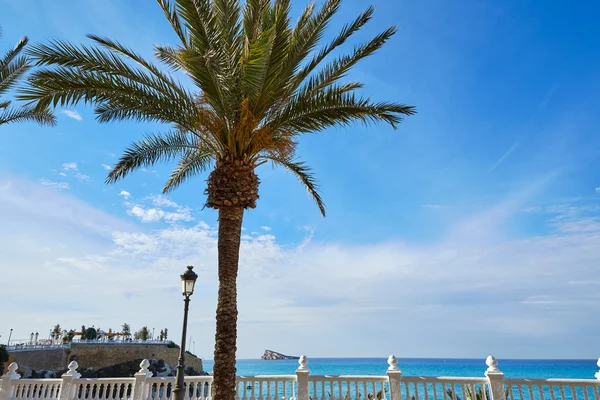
<point>260,84</point>
<point>13,67</point>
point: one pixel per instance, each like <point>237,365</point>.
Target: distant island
<point>273,355</point>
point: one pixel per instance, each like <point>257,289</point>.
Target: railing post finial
<point>393,363</point>
<point>73,370</point>
<point>303,361</point>
<point>492,364</point>
<point>144,368</point>
<point>12,371</point>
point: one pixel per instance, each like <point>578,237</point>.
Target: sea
<point>574,369</point>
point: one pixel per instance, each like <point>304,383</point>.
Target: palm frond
<point>192,163</point>
<point>13,53</point>
<point>252,18</point>
<point>108,65</point>
<point>341,66</point>
<point>150,150</point>
<point>304,175</point>
<point>27,113</point>
<point>342,37</point>
<point>169,55</point>
<point>173,18</point>
<point>277,55</point>
<point>68,86</point>
<point>332,107</point>
<point>4,104</point>
<point>12,72</point>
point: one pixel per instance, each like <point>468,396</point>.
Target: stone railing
<point>303,386</point>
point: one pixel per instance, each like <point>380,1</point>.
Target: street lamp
<point>9,336</point>
<point>188,280</point>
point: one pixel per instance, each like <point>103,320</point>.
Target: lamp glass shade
<point>188,281</point>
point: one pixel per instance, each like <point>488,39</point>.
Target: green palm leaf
<point>13,67</point>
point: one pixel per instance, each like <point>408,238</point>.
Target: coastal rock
<point>273,355</point>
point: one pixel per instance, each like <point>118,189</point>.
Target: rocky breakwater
<point>273,355</point>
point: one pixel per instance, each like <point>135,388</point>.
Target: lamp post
<point>9,335</point>
<point>188,280</point>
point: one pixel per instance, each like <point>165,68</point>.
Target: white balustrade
<point>102,388</point>
<point>303,386</point>
<point>265,387</point>
<point>29,389</point>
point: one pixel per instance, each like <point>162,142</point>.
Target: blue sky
<point>472,229</point>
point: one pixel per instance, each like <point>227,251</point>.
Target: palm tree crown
<point>13,66</point>
<point>260,83</point>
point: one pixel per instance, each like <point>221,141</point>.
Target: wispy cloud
<point>106,167</point>
<point>82,177</point>
<point>125,194</point>
<point>59,185</point>
<point>506,154</point>
<point>163,201</point>
<point>157,214</point>
<point>517,289</point>
<point>70,166</point>
<point>72,114</point>
<point>266,228</point>
<point>435,206</point>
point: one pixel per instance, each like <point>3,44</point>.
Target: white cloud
<point>82,177</point>
<point>156,214</point>
<point>266,228</point>
<point>163,201</point>
<point>598,189</point>
<point>125,194</point>
<point>106,167</point>
<point>62,174</point>
<point>70,166</point>
<point>518,297</point>
<point>59,185</point>
<point>72,114</point>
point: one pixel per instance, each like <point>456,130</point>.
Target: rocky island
<point>273,355</point>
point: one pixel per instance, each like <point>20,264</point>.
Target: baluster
<point>268,382</point>
<point>574,392</point>
<point>561,388</point>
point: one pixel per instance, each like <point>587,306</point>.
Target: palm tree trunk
<point>230,230</point>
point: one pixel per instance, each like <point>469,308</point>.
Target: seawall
<point>97,356</point>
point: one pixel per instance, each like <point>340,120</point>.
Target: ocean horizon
<point>471,367</point>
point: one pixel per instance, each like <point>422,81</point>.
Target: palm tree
<point>260,83</point>
<point>12,68</point>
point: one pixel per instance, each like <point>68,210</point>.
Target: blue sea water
<point>576,369</point>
